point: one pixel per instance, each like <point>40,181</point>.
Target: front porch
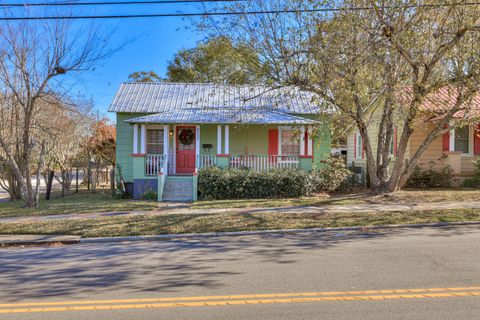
<point>161,152</point>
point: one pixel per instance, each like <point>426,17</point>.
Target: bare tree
<point>34,60</point>
<point>375,62</point>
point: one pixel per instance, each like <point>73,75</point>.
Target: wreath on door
<point>186,136</point>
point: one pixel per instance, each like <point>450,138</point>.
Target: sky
<point>145,44</point>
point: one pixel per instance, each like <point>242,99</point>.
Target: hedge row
<point>216,183</point>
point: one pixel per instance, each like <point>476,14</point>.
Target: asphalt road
<point>302,276</point>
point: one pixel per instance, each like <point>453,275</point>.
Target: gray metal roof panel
<point>223,116</point>
<point>165,96</point>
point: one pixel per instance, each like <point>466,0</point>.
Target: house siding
<point>125,145</point>
<point>433,155</point>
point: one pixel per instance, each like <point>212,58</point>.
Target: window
<point>289,143</point>
<point>358,146</point>
<point>462,141</point>
<point>393,142</point>
<point>154,141</point>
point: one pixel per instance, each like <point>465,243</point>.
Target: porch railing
<point>262,163</point>
<point>153,164</point>
<point>206,160</point>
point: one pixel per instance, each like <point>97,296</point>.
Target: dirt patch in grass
<point>173,224</point>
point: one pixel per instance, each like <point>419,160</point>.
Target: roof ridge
<point>205,84</point>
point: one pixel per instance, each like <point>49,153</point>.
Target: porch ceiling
<point>223,116</point>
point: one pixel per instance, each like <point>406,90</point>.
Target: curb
<point>46,241</point>
<point>266,232</point>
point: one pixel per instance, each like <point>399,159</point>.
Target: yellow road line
<point>245,302</point>
<point>237,297</point>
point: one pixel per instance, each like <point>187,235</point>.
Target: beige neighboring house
<point>458,147</point>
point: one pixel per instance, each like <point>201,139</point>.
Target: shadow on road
<point>165,266</point>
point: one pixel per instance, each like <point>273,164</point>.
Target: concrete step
<point>178,189</point>
<point>176,197</point>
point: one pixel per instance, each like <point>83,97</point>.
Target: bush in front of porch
<point>216,183</point>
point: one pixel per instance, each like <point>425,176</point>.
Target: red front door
<point>185,137</point>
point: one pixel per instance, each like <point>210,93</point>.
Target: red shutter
<point>363,149</point>
<point>355,146</point>
<point>476,140</point>
<point>273,142</point>
<point>394,141</point>
<point>306,142</point>
<point>446,140</point>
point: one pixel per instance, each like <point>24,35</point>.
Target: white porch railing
<point>206,160</point>
<point>262,163</point>
<point>153,164</point>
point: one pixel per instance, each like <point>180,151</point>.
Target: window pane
<point>461,139</point>
<point>154,141</point>
<point>359,147</point>
<point>290,143</point>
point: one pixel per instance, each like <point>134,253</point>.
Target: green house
<point>166,132</point>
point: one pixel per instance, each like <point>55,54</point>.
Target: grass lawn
<point>83,202</point>
<point>403,196</point>
<point>86,202</point>
<point>153,225</point>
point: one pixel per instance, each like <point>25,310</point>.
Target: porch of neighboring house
<point>167,157</point>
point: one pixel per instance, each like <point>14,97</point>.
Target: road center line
<point>206,301</point>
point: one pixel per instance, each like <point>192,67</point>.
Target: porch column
<point>222,158</point>
<point>227,140</point>
<point>166,135</point>
<point>452,139</point>
<point>310,142</point>
<point>135,138</point>
<point>305,160</point>
<point>197,146</point>
<point>219,139</point>
<point>143,138</point>
<point>302,141</point>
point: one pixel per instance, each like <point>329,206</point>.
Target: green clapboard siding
<point>125,145</point>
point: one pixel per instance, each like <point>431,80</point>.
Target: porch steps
<point>178,188</point>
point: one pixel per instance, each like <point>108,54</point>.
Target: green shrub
<point>475,181</point>
<point>430,178</point>
<point>149,194</point>
<point>332,176</point>
<point>216,183</point>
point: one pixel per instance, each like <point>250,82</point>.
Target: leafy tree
<point>35,59</point>
<point>144,76</point>
<point>218,60</point>
<point>373,65</point>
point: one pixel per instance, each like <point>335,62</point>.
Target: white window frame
<point>358,154</point>
<point>285,128</point>
<point>470,140</point>
<point>161,142</point>
<point>392,144</point>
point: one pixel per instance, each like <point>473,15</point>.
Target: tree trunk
<point>41,163</point>
<point>50,176</point>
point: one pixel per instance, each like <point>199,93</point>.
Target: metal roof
<point>165,96</point>
<point>224,116</point>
